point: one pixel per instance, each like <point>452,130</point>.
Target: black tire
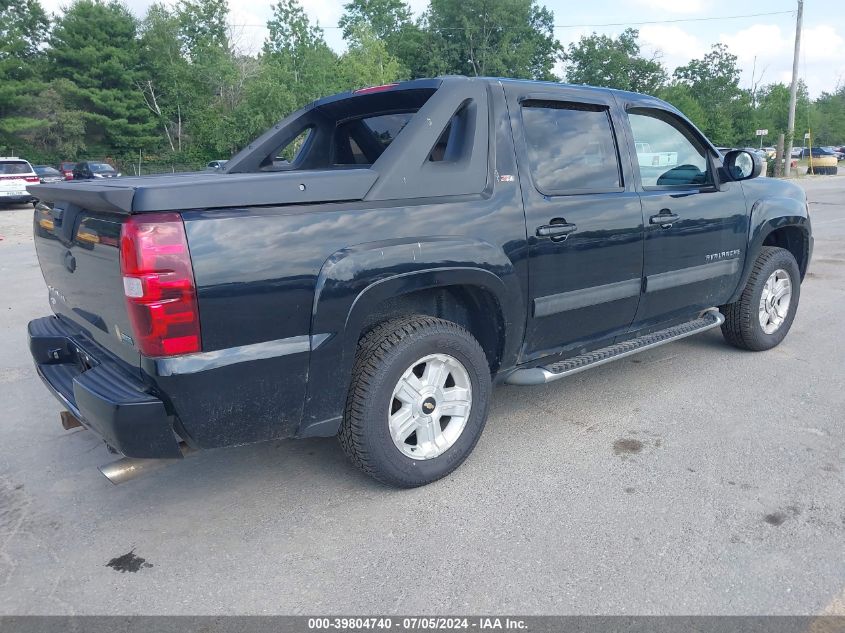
<point>742,326</point>
<point>384,354</point>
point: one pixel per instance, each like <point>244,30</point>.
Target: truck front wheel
<point>762,316</point>
<point>417,402</point>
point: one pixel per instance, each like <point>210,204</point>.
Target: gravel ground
<point>692,478</point>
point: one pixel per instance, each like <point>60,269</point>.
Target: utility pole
<point>793,90</point>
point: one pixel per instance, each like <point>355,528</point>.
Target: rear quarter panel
<point>258,271</point>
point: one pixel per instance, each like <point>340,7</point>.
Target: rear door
<point>583,216</point>
<point>696,227</point>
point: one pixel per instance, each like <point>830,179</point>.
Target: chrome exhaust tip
<point>129,468</point>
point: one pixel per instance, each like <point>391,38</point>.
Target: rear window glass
<point>12,167</point>
<point>570,147</point>
<point>362,141</point>
<point>338,132</point>
<point>385,128</point>
<point>100,167</point>
<point>42,170</point>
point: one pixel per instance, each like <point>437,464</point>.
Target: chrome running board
<point>539,375</point>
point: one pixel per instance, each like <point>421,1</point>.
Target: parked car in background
<point>796,152</point>
<point>15,175</point>
<point>89,170</point>
<point>48,174</point>
<point>756,150</point>
<point>840,155</point>
<point>66,167</point>
<point>216,164</point>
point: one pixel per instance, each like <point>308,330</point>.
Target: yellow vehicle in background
<point>820,160</point>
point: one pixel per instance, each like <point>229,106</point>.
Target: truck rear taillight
<point>158,281</point>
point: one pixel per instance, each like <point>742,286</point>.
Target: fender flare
<point>767,215</point>
<point>353,281</point>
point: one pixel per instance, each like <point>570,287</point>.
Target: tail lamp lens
<point>158,281</point>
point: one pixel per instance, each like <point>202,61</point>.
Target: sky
<point>763,43</point>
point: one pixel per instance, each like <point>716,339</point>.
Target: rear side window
<point>13,167</point>
<point>571,147</point>
<point>291,152</point>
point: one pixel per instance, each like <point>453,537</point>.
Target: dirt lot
<point>693,478</point>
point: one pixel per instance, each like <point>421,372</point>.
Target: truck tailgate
<point>79,254</point>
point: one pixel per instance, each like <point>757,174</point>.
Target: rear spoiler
<point>205,190</point>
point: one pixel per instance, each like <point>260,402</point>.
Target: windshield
<point>14,167</point>
<point>44,170</point>
<point>100,167</point>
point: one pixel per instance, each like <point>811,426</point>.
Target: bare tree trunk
<point>152,104</point>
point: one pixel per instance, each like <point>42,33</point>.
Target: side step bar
<point>539,375</point>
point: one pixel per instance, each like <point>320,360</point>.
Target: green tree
<point>194,83</point>
<point>383,18</point>
<point>713,82</point>
<point>613,62</point>
<point>300,48</point>
<point>202,26</point>
<point>679,95</point>
<point>509,38</point>
<point>61,133</point>
<point>391,22</point>
<point>166,83</point>
<point>23,26</point>
<point>94,47</point>
<point>367,62</point>
<point>828,118</point>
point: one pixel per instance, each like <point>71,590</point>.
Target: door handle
<point>665,218</point>
<point>558,232</point>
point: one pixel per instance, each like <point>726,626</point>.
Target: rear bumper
<point>94,386</point>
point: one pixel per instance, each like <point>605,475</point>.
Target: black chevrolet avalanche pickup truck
<point>374,263</point>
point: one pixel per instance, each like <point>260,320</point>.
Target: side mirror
<point>742,165</point>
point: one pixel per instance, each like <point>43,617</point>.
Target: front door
<point>696,227</point>
<point>583,215</point>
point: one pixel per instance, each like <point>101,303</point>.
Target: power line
<point>709,19</point>
<point>584,26</point>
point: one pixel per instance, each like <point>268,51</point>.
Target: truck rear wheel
<point>417,402</point>
<point>762,316</point>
